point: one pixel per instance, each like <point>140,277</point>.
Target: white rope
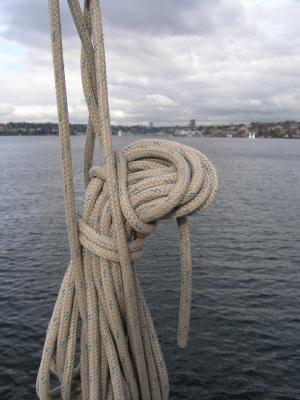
<point>100,300</point>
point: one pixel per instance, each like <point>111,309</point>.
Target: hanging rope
<point>100,300</point>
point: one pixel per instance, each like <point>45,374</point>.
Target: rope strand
<point>100,299</point>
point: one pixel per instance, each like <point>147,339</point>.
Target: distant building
<point>151,125</point>
<point>192,124</point>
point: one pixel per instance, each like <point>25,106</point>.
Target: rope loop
<point>164,179</point>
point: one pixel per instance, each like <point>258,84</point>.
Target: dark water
<point>245,336</point>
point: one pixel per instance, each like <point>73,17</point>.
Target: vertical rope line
<point>128,281</point>
<point>66,155</point>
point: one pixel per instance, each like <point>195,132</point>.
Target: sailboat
<point>120,133</point>
<point>251,135</point>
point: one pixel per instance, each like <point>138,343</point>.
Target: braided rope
<point>100,300</point>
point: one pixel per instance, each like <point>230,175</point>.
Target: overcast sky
<point>218,61</point>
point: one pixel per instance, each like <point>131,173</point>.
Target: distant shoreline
<point>162,135</point>
<point>275,130</point>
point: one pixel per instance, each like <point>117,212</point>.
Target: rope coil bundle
<point>100,299</point>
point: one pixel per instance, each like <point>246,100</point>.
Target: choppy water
<point>245,336</point>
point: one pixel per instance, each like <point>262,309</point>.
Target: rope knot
<point>159,179</point>
<point>105,246</point>
<point>156,179</point>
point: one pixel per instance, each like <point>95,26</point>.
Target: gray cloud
<point>27,22</point>
<point>213,60</point>
<point>173,17</point>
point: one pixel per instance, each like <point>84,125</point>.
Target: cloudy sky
<point>218,61</point>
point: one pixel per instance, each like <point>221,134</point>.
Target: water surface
<point>245,329</point>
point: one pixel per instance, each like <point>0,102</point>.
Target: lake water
<point>245,327</point>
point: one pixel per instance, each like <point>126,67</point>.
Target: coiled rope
<point>100,300</point>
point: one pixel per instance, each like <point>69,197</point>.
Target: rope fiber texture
<point>101,341</point>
